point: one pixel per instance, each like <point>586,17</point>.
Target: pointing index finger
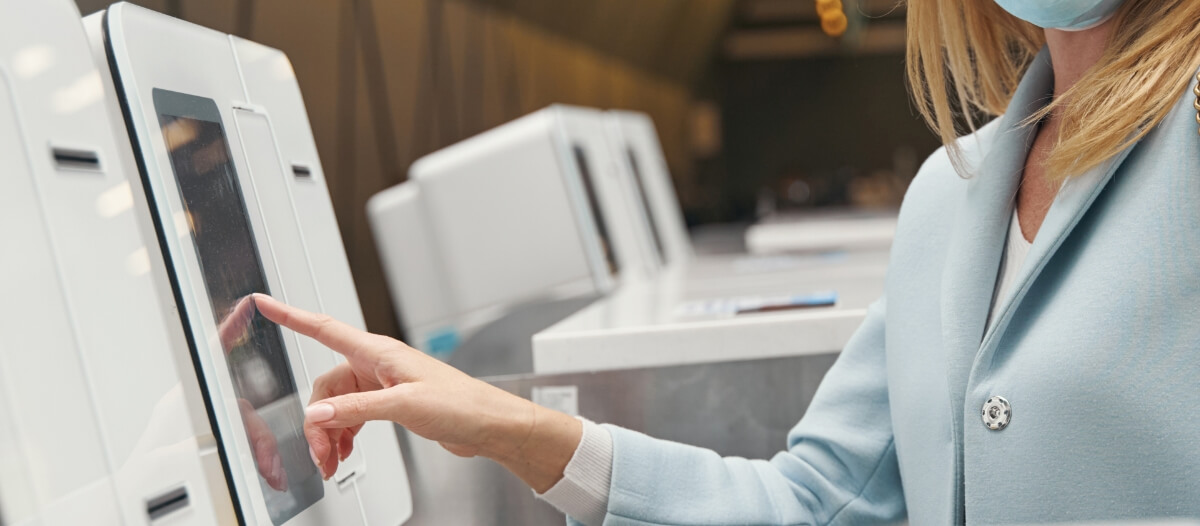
<point>332,333</point>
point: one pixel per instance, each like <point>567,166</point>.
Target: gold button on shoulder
<point>1196,90</point>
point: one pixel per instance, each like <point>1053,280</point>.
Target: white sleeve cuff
<point>582,493</point>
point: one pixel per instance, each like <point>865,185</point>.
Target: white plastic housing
<point>291,217</point>
<point>101,417</point>
<point>506,218</point>
<point>618,192</point>
<point>636,141</point>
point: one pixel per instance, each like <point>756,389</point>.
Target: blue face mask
<point>1061,14</point>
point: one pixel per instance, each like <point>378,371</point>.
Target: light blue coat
<point>1097,350</point>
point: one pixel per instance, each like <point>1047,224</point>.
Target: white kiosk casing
<point>636,140</point>
<point>619,196</point>
<point>236,188</point>
<point>534,210</point>
<point>101,418</point>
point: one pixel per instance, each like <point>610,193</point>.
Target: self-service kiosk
<point>238,201</point>
<point>534,211</point>
<point>635,139</point>
<point>102,420</point>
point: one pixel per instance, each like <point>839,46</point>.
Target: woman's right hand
<point>384,379</point>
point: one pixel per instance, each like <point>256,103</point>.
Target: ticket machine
<point>102,420</point>
<point>238,202</point>
<point>635,139</point>
<point>534,211</point>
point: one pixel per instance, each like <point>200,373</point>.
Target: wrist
<point>536,444</point>
<point>508,422</point>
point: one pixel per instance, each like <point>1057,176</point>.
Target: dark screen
<point>257,360</point>
<point>641,184</point>
<point>585,172</point>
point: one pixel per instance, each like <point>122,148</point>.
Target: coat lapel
<point>1072,201</point>
<point>977,242</point>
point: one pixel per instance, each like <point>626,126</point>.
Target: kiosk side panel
<point>54,427</point>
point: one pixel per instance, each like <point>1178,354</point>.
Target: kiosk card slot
<point>167,503</point>
<point>75,158</point>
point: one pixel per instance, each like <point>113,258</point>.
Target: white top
<point>1016,248</point>
<point>582,493</point>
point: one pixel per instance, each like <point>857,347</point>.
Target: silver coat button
<point>996,413</point>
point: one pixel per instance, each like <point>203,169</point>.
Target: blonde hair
<point>966,57</point>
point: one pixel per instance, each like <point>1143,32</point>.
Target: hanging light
<point>833,17</point>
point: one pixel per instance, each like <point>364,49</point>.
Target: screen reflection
<point>267,397</point>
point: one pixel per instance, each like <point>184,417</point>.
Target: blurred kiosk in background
<point>502,234</point>
<point>714,308</point>
<point>235,188</point>
<point>101,418</point>
<point>635,140</point>
<point>820,243</point>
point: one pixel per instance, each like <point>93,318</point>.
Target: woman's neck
<point>1074,52</point>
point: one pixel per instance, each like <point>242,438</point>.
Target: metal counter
<point>742,408</point>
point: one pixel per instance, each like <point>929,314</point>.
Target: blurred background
<point>759,111</point>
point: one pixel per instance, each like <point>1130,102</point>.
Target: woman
<point>1036,357</point>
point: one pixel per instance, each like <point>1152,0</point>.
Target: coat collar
<point>977,244</point>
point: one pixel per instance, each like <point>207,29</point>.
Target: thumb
<point>353,409</point>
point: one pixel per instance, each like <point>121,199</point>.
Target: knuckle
<point>323,380</point>
<point>322,323</point>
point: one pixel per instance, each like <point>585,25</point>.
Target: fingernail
<point>313,454</point>
<point>317,413</point>
<point>277,469</point>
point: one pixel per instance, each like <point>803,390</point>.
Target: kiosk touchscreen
<point>239,203</point>
<point>101,417</point>
<point>532,211</point>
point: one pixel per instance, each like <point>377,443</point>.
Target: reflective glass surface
<point>216,214</point>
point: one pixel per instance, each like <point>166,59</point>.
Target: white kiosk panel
<point>538,209</point>
<point>509,217</point>
<point>276,108</point>
<point>636,140</point>
<point>49,455</point>
<point>416,279</point>
<point>103,416</point>
<point>270,86</point>
<point>228,208</point>
<point>585,133</point>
